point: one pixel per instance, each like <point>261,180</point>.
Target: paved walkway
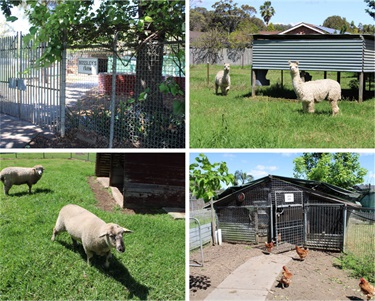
<point>15,133</point>
<point>253,280</point>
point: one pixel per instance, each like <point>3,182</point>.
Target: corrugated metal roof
<point>319,188</point>
<point>353,53</point>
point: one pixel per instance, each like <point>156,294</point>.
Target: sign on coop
<point>88,66</point>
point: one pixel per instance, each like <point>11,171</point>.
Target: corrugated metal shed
<point>353,53</point>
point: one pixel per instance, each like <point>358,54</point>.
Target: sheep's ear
<point>103,234</point>
<point>127,230</point>
<point>297,62</point>
<point>289,62</point>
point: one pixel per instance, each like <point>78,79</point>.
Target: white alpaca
<point>222,80</point>
<point>315,91</point>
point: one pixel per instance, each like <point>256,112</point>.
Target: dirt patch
<point>104,199</point>
<point>316,278</point>
<point>76,138</point>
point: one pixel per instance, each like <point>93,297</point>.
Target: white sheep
<point>222,80</point>
<point>96,236</point>
<point>315,91</point>
<point>20,175</point>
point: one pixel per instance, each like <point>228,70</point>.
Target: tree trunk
<point>213,223</point>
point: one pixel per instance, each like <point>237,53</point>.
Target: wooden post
<point>338,76</point>
<point>325,74</point>
<point>361,85</point>
<point>253,82</point>
<point>282,78</point>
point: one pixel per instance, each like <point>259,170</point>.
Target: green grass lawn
<point>274,118</point>
<point>32,267</point>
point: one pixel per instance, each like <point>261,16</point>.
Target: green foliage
<point>206,178</point>
<point>359,266</point>
<point>371,8</point>
<point>340,169</point>
<point>76,23</point>
<point>354,84</point>
<point>267,12</point>
<point>33,267</point>
<point>241,177</point>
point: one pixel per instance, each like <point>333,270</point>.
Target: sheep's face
<point>39,169</point>
<point>114,236</point>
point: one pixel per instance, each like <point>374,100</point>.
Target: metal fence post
<point>345,210</point>
<point>62,90</point>
<point>113,92</point>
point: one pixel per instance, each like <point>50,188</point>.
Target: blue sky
<point>308,11</point>
<point>261,164</point>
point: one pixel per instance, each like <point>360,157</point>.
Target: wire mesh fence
<point>152,116</point>
<point>360,236</point>
<point>142,107</point>
<point>22,155</point>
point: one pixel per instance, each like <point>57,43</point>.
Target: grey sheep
<point>222,80</point>
<point>96,236</point>
<point>20,175</point>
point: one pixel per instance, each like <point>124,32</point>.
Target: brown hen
<point>367,289</point>
<point>302,252</point>
<point>269,246</point>
<point>286,278</point>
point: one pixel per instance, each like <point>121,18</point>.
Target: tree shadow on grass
<point>116,270</point>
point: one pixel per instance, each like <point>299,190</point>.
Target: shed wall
<point>313,54</point>
<point>154,180</point>
<point>369,56</point>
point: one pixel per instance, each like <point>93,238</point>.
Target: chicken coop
<point>290,211</point>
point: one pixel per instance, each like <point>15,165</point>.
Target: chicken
<point>302,252</point>
<point>286,278</point>
<point>269,246</point>
<point>366,288</point>
<point>279,237</point>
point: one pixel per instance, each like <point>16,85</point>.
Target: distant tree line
<point>232,25</point>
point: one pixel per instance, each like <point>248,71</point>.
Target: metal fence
<point>360,233</point>
<point>200,232</point>
<point>25,92</point>
<point>146,121</point>
<point>137,109</point>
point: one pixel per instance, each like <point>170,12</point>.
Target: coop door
<point>288,217</point>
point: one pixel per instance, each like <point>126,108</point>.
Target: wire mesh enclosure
<point>26,92</point>
<point>244,224</point>
<point>149,116</point>
<point>360,233</point>
<point>278,209</point>
<point>325,226</point>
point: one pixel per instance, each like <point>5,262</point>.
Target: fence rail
<point>78,156</point>
<point>204,218</point>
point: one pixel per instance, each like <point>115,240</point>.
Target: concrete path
<point>253,280</point>
<point>15,133</point>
